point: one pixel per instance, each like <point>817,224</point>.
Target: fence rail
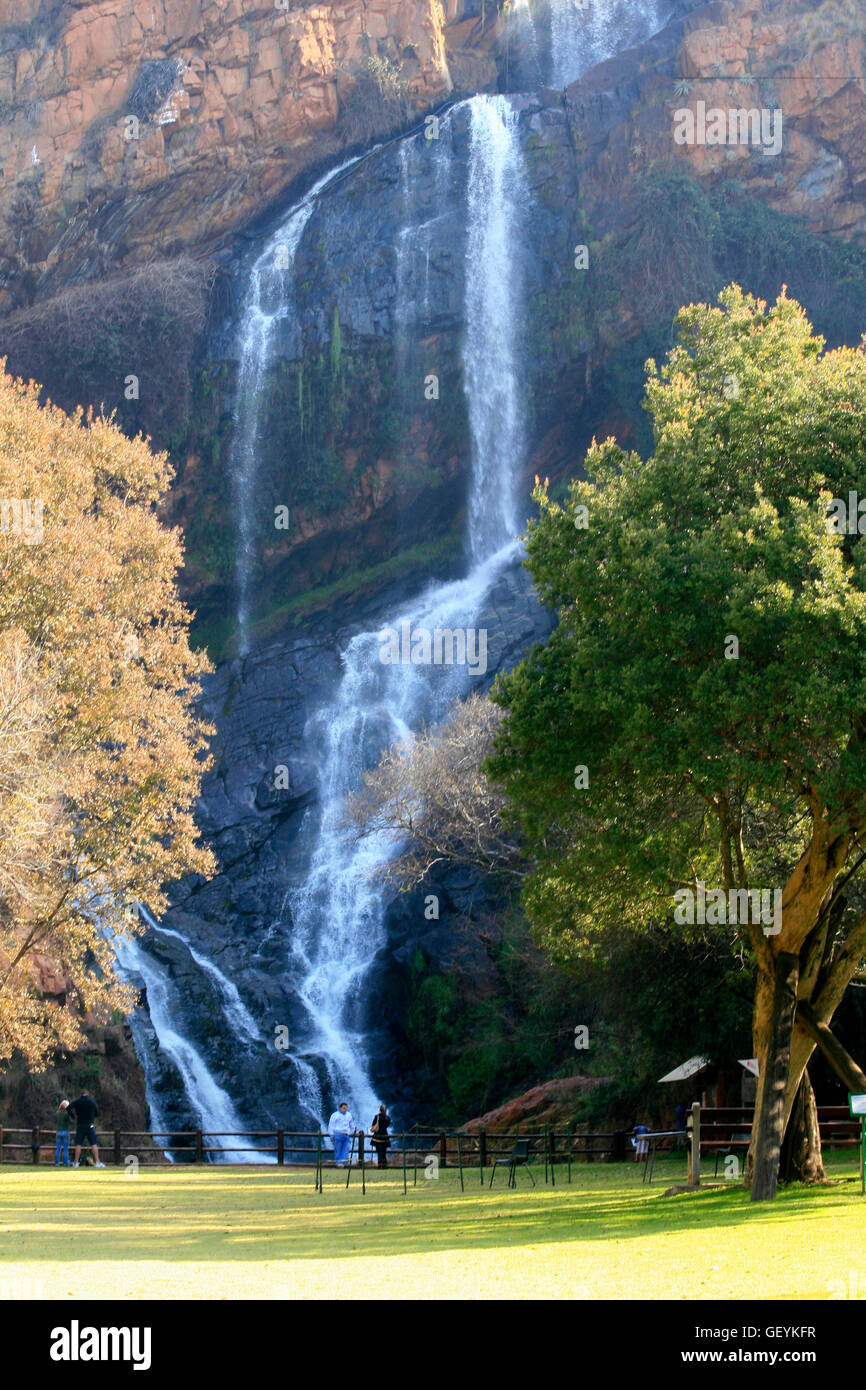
<point>721,1128</point>
<point>299,1146</point>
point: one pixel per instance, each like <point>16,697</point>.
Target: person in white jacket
<point>341,1127</point>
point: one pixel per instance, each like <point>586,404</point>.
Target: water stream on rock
<point>268,300</point>
<point>338,912</point>
<point>333,918</point>
<point>557,41</point>
<point>585,32</point>
<point>212,1107</point>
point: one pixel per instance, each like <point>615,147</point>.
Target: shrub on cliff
<point>378,103</point>
<point>431,794</point>
<point>100,748</point>
<point>123,343</point>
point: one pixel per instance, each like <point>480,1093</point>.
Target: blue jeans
<point>61,1148</point>
<point>341,1147</point>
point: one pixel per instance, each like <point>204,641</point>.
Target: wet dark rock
<point>238,920</point>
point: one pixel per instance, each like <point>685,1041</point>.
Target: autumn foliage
<point>101,749</point>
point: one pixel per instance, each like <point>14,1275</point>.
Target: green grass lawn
<point>237,1233</point>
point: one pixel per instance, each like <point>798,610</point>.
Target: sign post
<point>858,1108</point>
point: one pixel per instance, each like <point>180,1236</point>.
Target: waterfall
<point>338,912</point>
<point>268,301</point>
<point>211,1104</point>
<point>334,916</point>
<point>522,47</point>
<point>490,350</point>
<point>238,1017</point>
<point>585,32</point>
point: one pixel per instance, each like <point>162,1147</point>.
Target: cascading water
<point>334,917</point>
<point>212,1106</point>
<point>490,346</point>
<point>338,912</point>
<point>585,32</point>
<point>268,300</point>
<point>237,1015</point>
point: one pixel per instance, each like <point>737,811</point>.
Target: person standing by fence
<point>86,1111</point>
<point>61,1127</point>
<point>379,1133</point>
<point>641,1143</point>
<point>341,1127</point>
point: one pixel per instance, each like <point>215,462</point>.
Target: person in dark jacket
<point>379,1133</point>
<point>85,1110</point>
<point>61,1129</point>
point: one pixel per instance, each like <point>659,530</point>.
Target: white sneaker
<point>99,1165</point>
<point>75,1165</point>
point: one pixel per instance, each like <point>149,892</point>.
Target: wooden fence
<point>728,1128</point>
<point>301,1146</point>
<point>731,1126</point>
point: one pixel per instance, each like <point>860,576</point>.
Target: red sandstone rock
<point>261,100</point>
<point>553,1103</point>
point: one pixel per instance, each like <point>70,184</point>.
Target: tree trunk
<point>801,1149</point>
<point>775,1066</point>
<point>761,1018</point>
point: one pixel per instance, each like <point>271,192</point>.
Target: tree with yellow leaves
<point>101,748</point>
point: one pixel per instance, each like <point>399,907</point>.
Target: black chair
<point>518,1158</point>
<point>734,1145</point>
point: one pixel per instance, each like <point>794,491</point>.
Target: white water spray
<point>209,1101</point>
<point>338,913</point>
<point>586,32</point>
<point>268,300</point>
<point>490,353</point>
<point>238,1017</point>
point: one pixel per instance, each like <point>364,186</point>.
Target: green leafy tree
<point>708,673</point>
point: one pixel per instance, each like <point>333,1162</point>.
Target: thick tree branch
<point>841,1061</point>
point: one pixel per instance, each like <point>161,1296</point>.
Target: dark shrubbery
<point>85,343</point>
<point>378,105</point>
<point>155,82</point>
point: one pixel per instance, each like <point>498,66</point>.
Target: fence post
<point>198,1146</point>
<point>351,1156</point>
<point>482,1151</point>
<point>281,1147</point>
<point>695,1150</point>
<point>443,1149</point>
<point>34,1144</point>
<point>619,1146</point>
<point>552,1134</point>
<point>569,1136</point>
<point>460,1162</point>
<point>118,1147</point>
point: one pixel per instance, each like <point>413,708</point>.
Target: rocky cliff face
<point>356,451</point>
<point>808,65</point>
<point>133,131</point>
<point>376,467</point>
<point>621,224</point>
<point>263,707</point>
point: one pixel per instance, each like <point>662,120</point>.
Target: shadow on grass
<point>244,1215</point>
